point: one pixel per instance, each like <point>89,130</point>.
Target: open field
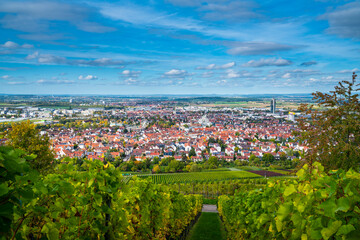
<point>283,172</point>
<point>198,176</point>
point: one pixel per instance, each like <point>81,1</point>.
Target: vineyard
<point>198,176</point>
<point>217,188</point>
<point>314,206</point>
<point>265,173</point>
<point>89,202</point>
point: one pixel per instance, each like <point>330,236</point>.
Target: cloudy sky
<point>177,46</point>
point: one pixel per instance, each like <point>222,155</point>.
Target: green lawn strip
<point>249,168</point>
<point>199,176</point>
<point>208,227</point>
<point>281,171</point>
<point>210,201</point>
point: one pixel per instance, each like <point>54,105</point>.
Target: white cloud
<point>36,16</point>
<point>232,74</point>
<point>47,58</point>
<point>17,83</point>
<point>44,81</point>
<point>145,16</point>
<point>304,71</point>
<point>259,48</point>
<point>278,62</point>
<point>286,75</point>
<point>208,67</point>
<point>88,77</point>
<point>222,82</point>
<point>329,77</point>
<point>176,73</point>
<point>52,59</point>
<point>344,21</point>
<point>131,81</point>
<point>349,70</point>
<point>10,44</point>
<point>207,74</point>
<point>325,79</point>
<point>132,74</point>
<point>32,56</point>
<point>214,66</point>
<point>227,65</point>
<point>5,77</point>
<point>13,45</point>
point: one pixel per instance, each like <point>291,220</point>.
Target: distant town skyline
<point>177,46</point>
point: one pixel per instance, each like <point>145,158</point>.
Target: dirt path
<point>209,208</point>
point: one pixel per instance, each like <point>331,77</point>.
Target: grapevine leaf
<point>296,218</point>
<point>264,218</point>
<point>315,234</point>
<point>91,181</point>
<point>6,209</point>
<point>317,223</point>
<point>345,229</point>
<point>98,199</point>
<point>330,230</point>
<point>27,194</point>
<point>329,207</point>
<point>284,211</point>
<point>3,189</point>
<point>343,204</point>
<point>352,174</point>
<point>279,224</point>
<point>53,234</point>
<point>289,190</point>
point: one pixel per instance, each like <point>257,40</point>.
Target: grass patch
<point>249,168</point>
<point>208,227</point>
<point>169,178</point>
<point>216,169</point>
<point>282,172</point>
<point>212,201</point>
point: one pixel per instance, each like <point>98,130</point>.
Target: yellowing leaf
<point>289,190</point>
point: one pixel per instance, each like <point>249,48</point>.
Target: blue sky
<point>177,46</point>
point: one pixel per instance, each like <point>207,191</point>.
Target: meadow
<point>198,176</point>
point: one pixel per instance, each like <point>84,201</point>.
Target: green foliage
<point>333,135</point>
<point>213,162</point>
<point>192,152</point>
<point>217,188</point>
<point>316,206</point>
<point>25,136</point>
<point>198,176</point>
<point>14,171</point>
<point>91,201</point>
<point>195,168</point>
<point>268,158</point>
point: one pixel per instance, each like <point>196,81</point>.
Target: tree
<point>192,152</point>
<point>25,136</point>
<point>156,169</point>
<point>195,168</point>
<point>268,158</point>
<point>213,162</point>
<point>174,166</point>
<point>236,149</point>
<point>333,134</point>
<point>283,157</point>
<point>156,160</point>
<point>253,160</point>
